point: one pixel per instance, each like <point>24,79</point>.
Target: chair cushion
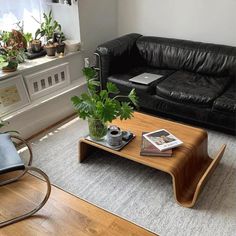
<point>192,88</point>
<point>9,157</point>
<point>122,80</point>
<point>227,101</point>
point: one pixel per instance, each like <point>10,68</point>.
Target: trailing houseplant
<point>102,106</point>
<point>13,49</point>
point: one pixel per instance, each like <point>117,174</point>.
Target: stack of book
<point>158,143</point>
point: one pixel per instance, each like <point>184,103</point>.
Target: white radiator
<point>47,81</point>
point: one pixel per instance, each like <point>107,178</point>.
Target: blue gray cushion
<point>9,157</point>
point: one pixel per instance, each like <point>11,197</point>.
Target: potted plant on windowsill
<point>101,107</point>
<point>36,43</point>
<point>48,28</point>
<point>13,50</point>
<point>58,39</point>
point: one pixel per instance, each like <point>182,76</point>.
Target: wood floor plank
<point>64,214</point>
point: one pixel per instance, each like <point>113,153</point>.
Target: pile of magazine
<point>158,143</point>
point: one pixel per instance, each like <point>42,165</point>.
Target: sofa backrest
<point>205,58</point>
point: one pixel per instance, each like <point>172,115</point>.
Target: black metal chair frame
<point>27,168</point>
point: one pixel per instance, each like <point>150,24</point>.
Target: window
<point>13,11</point>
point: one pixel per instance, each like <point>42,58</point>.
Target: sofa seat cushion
<point>227,101</point>
<point>191,88</point>
<point>123,83</point>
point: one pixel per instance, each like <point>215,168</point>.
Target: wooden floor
<point>64,214</point>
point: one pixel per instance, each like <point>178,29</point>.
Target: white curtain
<point>13,11</point>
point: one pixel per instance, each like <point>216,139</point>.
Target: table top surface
<point>192,137</point>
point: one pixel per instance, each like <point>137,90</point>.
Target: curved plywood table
<point>190,166</point>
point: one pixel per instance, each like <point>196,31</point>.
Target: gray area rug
<point>138,193</point>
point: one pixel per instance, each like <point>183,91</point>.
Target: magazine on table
<point>162,139</point>
<point>148,149</point>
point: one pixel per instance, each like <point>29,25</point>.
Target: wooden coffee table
<point>190,166</point>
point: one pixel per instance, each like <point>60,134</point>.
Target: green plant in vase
<point>100,107</point>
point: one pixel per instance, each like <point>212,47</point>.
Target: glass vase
<point>97,129</point>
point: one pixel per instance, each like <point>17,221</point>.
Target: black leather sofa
<point>198,83</point>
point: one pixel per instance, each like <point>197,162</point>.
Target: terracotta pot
<point>50,50</point>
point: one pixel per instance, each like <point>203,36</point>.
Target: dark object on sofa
<point>10,161</point>
<point>199,79</point>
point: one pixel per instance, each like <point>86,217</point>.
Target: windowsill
<point>28,64</point>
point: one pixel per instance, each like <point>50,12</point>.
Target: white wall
<point>68,17</point>
<point>199,20</point>
<point>98,22</point>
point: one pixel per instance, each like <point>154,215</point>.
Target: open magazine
<point>162,139</point>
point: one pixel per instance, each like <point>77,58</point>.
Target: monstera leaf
<point>103,104</point>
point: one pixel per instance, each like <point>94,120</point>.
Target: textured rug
<point>138,193</point>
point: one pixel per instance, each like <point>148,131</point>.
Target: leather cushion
<point>189,113</point>
<point>9,157</point>
<point>122,80</point>
<point>205,58</point>
<point>227,101</point>
<point>192,88</point>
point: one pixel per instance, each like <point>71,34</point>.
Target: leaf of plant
<point>89,72</point>
<point>94,82</point>
<point>112,88</point>
<point>59,27</point>
<point>133,98</point>
<point>103,95</point>
<point>126,111</point>
<point>50,14</point>
<point>85,96</point>
<point>84,105</point>
<point>93,85</point>
<point>75,100</point>
<point>107,110</point>
<point>118,105</point>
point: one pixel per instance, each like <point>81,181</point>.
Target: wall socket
<point>86,62</point>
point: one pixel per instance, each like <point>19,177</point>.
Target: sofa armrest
<point>117,55</point>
